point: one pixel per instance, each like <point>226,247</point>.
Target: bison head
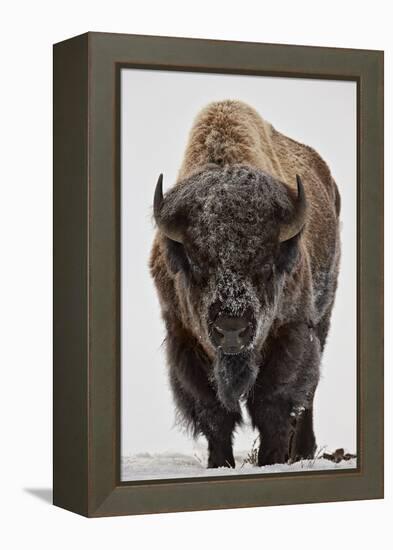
<point>230,236</point>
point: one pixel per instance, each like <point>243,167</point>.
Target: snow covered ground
<point>171,465</point>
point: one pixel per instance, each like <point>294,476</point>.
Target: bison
<point>245,261</point>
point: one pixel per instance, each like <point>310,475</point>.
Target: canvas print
<point>238,275</point>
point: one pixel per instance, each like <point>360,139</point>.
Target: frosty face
<point>229,280</point>
<point>223,247</point>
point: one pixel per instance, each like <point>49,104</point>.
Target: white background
<point>158,108</point>
<point>28,30</point>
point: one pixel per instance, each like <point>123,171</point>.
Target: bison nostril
<point>242,335</point>
<point>219,332</point>
<point>244,332</point>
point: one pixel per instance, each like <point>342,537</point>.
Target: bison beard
<point>234,376</point>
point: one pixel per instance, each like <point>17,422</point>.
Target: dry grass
<point>252,457</point>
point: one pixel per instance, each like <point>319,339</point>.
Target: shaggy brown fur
<point>234,188</point>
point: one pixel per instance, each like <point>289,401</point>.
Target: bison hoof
<point>222,463</point>
<point>272,457</point>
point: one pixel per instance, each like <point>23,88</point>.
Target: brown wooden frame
<point>87,273</point>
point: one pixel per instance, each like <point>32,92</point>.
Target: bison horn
<point>158,202</point>
<point>289,230</point>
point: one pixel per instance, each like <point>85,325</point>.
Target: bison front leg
<point>287,434</point>
<point>280,405</point>
<point>220,453</point>
<point>197,401</point>
<point>274,422</point>
<point>217,425</point>
<point>303,444</point>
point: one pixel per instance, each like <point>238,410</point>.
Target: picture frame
<point>86,385</point>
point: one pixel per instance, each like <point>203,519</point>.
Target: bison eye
<point>196,271</point>
<point>266,271</point>
<point>177,257</point>
<point>287,255</point>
